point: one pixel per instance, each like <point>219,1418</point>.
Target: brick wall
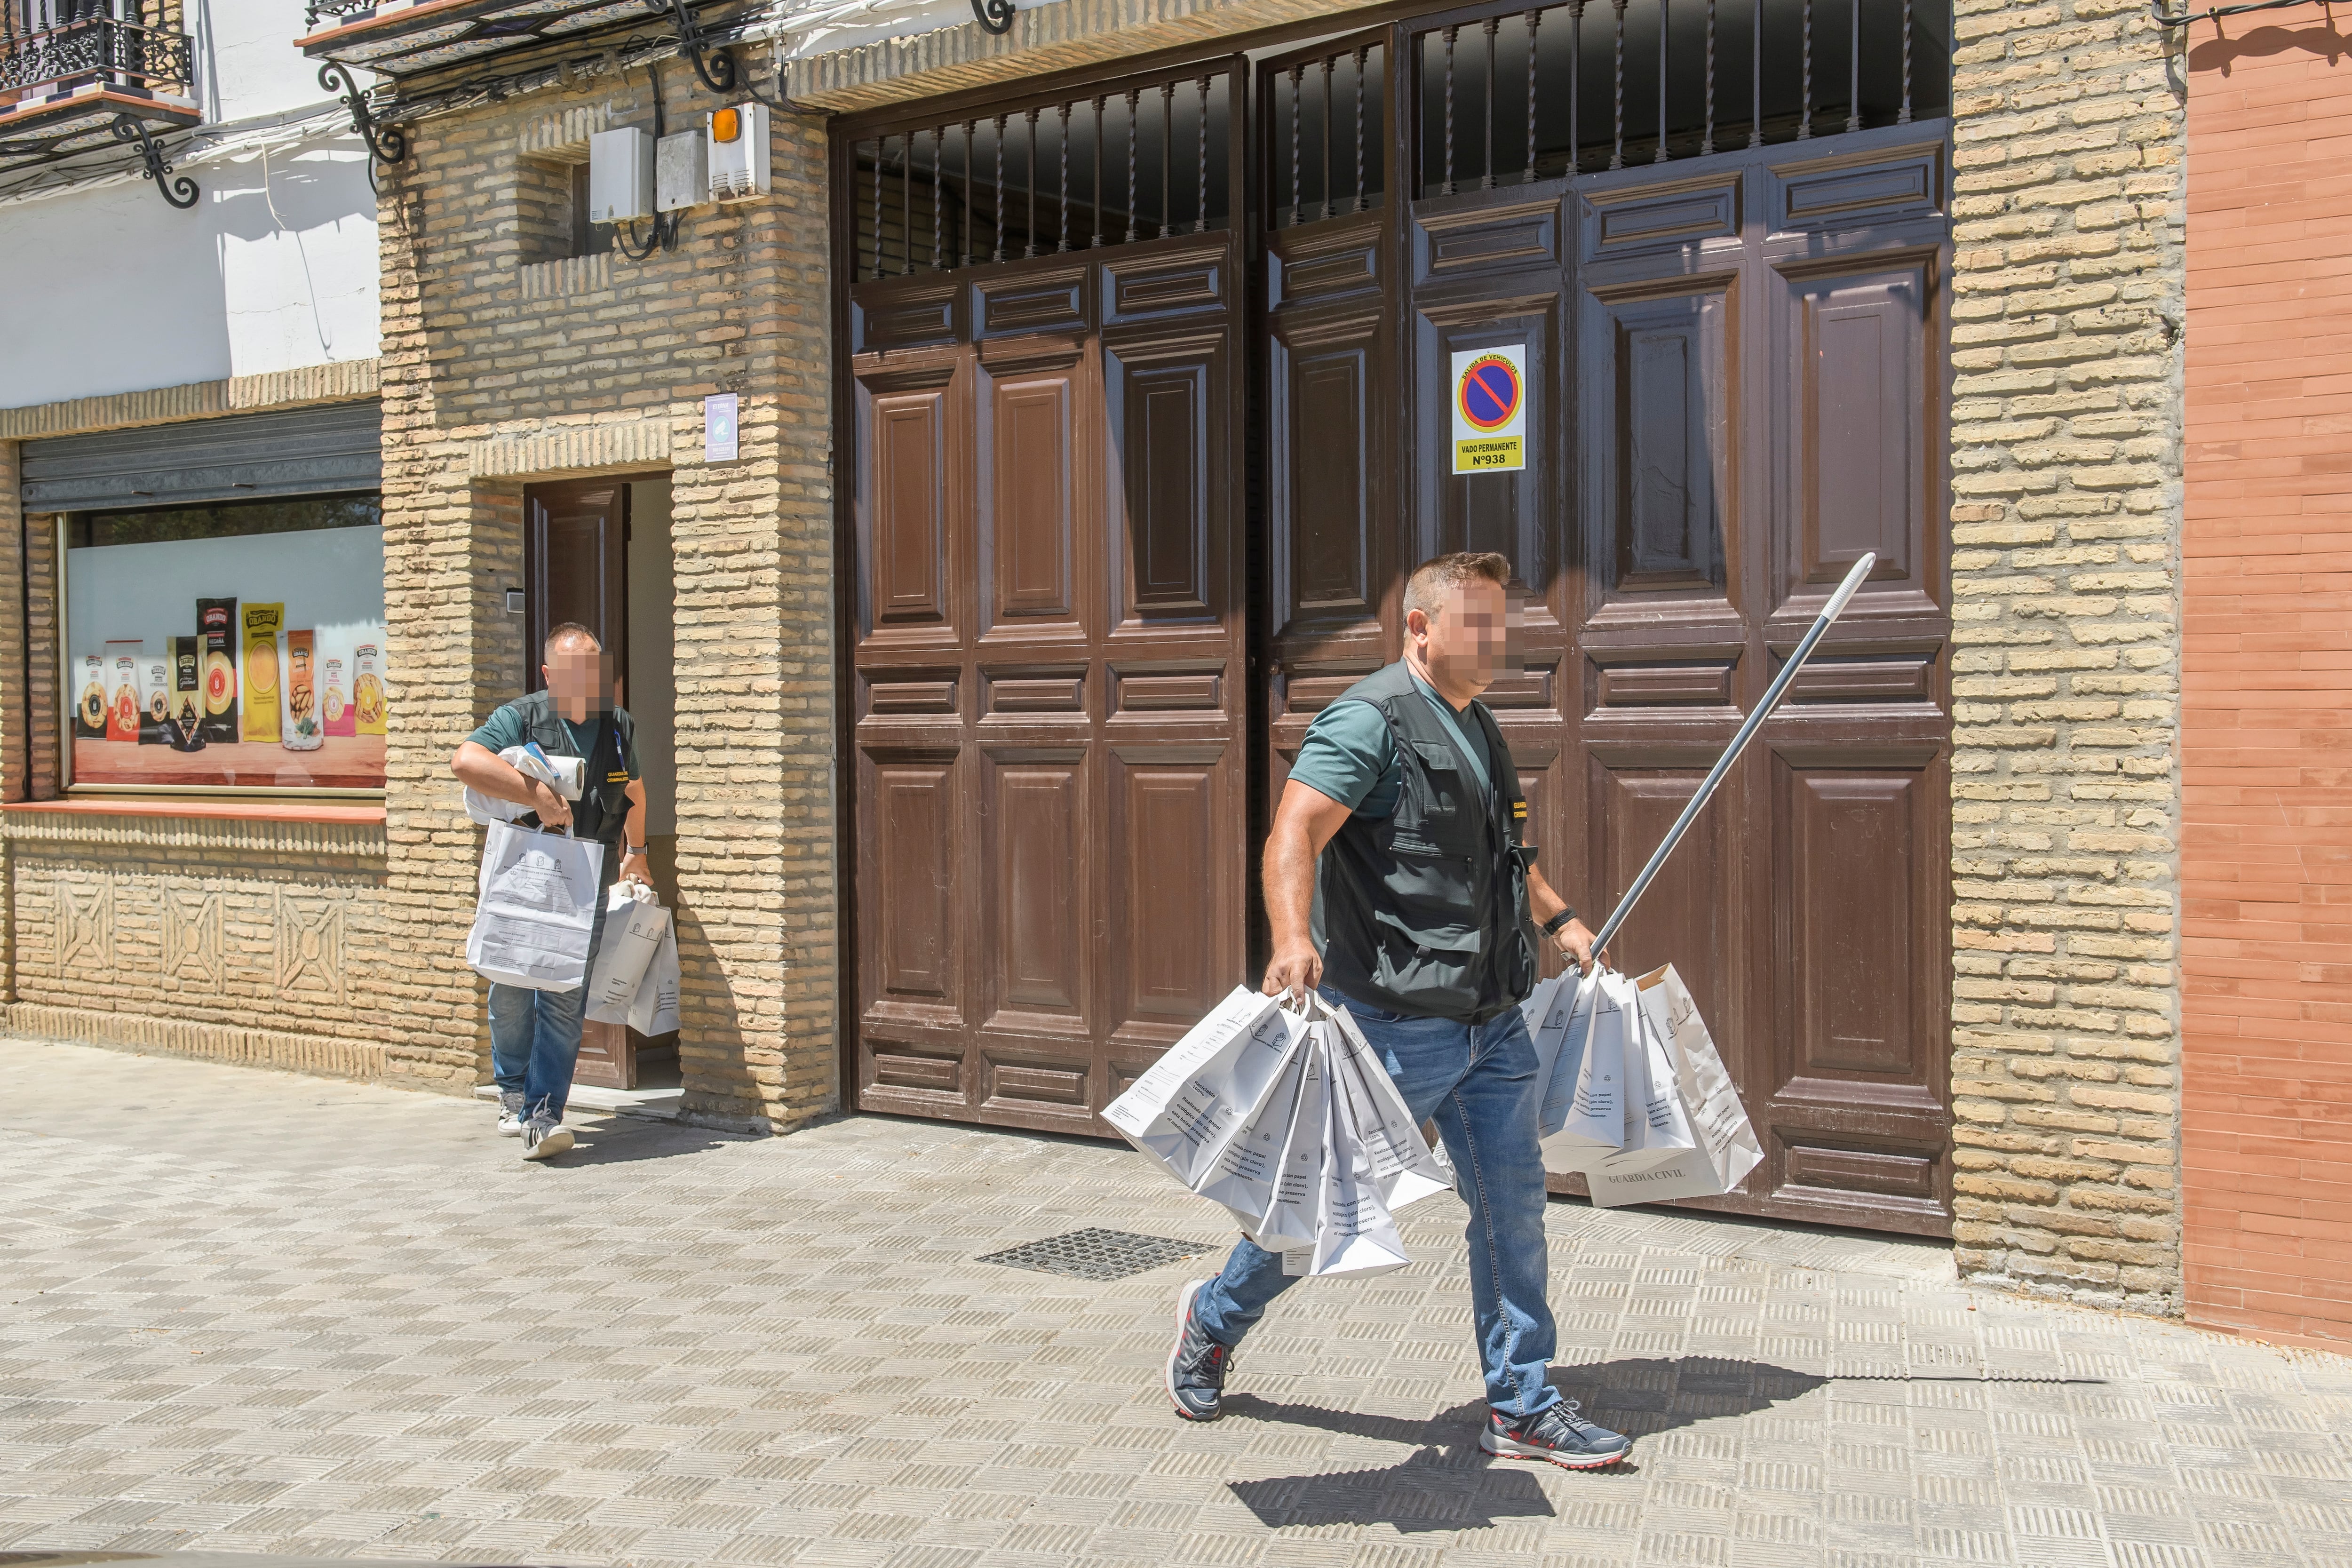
<point>2266,853</point>
<point>502,366</point>
<point>2067,282</point>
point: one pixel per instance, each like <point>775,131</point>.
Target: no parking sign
<point>1490,410</point>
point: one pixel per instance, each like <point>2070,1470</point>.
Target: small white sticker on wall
<point>718,428</point>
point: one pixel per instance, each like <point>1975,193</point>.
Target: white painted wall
<point>274,269</point>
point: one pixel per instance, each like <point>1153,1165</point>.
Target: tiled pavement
<point>247,1311</point>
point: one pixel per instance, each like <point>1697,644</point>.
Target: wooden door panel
<point>1688,918</point>
<point>1844,867</point>
<point>1030,525</point>
<point>1662,426</point>
<point>1856,356</point>
<point>1165,397</point>
<point>1033,812</point>
<point>913,885</point>
<point>910,501</point>
<point>1322,417</point>
<point>1167,915</point>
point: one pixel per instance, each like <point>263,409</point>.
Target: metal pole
<point>1778,688</point>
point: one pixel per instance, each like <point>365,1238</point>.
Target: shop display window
<point>237,646</point>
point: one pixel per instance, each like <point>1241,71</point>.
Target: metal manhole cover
<point>1097,1254</point>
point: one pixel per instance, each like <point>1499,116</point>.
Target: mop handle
<point>1773,695</point>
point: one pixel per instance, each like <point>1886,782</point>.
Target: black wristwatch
<point>1551,927</point>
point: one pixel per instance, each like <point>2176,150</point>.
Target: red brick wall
<point>2267,722</point>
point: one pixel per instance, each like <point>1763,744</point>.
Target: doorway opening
<point>596,551</point>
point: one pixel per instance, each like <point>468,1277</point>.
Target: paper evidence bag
<point>1187,1104</point>
<point>1594,1126</point>
<point>1727,1146</point>
<point>1354,1231</point>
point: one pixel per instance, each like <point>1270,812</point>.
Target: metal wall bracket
<point>388,142</point>
<point>717,73</point>
<point>179,190</point>
<point>994,15</point>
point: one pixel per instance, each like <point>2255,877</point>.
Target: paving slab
<point>248,1312</point>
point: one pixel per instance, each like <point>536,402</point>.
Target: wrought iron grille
<point>47,42</point>
<point>1327,116</point>
<point>1134,163</point>
<point>1590,84</point>
<point>334,9</point>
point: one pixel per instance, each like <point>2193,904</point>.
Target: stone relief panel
<point>84,939</point>
<point>310,947</point>
<point>193,953</point>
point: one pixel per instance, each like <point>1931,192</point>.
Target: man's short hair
<point>571,631</point>
<point>1427,589</point>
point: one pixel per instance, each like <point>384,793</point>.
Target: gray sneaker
<point>1559,1434</point>
<point>543,1137</point>
<point>509,1115</point>
<point>1197,1365</point>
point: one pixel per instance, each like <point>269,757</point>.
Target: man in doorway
<point>1404,791</point>
<point>535,1034</point>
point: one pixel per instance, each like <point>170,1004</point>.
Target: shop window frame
<point>166,797</point>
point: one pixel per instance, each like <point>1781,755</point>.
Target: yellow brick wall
<point>2068,290</point>
<point>500,367</point>
<point>253,941</point>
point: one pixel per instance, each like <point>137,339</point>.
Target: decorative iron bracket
<point>179,190</point>
<point>717,73</point>
<point>388,142</point>
<point>994,15</point>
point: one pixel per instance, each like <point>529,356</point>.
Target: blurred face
<point>1470,641</point>
<point>581,677</point>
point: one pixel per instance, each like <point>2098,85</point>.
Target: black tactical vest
<point>602,812</point>
<point>1425,913</point>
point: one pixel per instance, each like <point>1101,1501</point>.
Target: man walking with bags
<point>535,1034</point>
<point>1399,840</point>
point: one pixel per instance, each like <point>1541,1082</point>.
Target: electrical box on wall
<point>681,170</point>
<point>620,176</point>
<point>739,153</point>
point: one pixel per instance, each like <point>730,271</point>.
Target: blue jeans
<point>1479,1081</point>
<point>535,1034</point>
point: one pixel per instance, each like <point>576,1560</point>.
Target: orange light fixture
<point>726,124</point>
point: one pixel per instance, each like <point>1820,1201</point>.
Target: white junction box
<point>620,175</point>
<point>681,170</point>
<point>739,153</point>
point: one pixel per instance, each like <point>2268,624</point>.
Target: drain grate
<point>1097,1254</point>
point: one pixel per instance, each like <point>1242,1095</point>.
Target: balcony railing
<point>49,44</point>
<point>400,39</point>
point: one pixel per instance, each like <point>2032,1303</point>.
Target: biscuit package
<point>335,713</point>
<point>216,629</point>
<point>304,731</point>
<point>154,699</point>
<point>122,713</point>
<point>367,688</point>
<point>89,696</point>
<point>262,695</point>
<point>187,694</point>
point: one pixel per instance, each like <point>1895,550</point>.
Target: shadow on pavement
<point>1648,1395</point>
<point>623,1140</point>
<point>1449,1483</point>
<point>1435,1489</point>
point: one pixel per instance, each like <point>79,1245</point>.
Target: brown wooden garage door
<point>1049,628</point>
<point>1736,384</point>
